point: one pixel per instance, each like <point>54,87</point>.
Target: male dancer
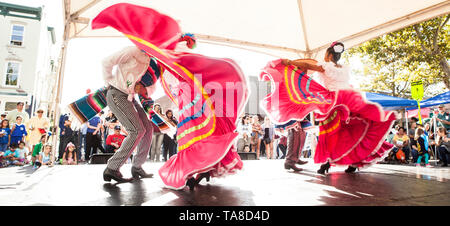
<point>132,64</point>
<point>295,142</point>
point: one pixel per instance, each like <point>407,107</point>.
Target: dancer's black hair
<point>336,49</point>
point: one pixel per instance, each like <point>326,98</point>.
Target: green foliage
<point>394,60</point>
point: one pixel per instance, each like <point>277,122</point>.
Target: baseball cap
<point>117,127</point>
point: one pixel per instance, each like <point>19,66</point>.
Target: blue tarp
<point>443,98</point>
<point>390,102</point>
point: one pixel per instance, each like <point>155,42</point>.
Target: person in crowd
<point>443,144</point>
<point>401,142</point>
<point>169,142</point>
<point>93,136</point>
<point>110,122</point>
<point>246,148</point>
<point>18,131</point>
<point>83,139</point>
<point>282,145</point>
<point>45,157</point>
<point>3,116</point>
<point>256,134</point>
<point>38,125</point>
<point>114,141</point>
<point>443,117</point>
<point>24,152</point>
<point>12,115</point>
<point>158,137</point>
<point>12,156</point>
<point>268,137</point>
<point>413,127</point>
<point>422,148</point>
<point>70,156</point>
<point>244,129</point>
<point>5,135</point>
<point>66,137</point>
<point>62,121</point>
<point>38,148</point>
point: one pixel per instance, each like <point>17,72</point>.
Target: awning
<point>390,102</point>
<point>284,28</point>
<point>443,98</point>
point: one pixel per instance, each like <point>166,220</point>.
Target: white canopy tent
<point>281,28</point>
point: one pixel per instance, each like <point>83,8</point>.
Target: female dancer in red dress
<point>210,93</point>
<point>352,129</point>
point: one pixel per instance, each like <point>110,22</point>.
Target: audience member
<point>45,156</point>
<point>256,135</point>
<point>12,156</point>
<point>66,137</point>
<point>401,142</point>
<point>269,133</point>
<point>12,115</point>
<point>24,152</point>
<point>157,138</point>
<point>443,143</point>
<point>93,136</point>
<point>114,141</point>
<point>443,117</point>
<point>18,131</point>
<point>39,125</point>
<point>70,156</point>
<point>38,148</point>
<point>5,133</point>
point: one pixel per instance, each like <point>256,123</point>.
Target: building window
<point>12,74</point>
<point>9,106</point>
<point>17,35</point>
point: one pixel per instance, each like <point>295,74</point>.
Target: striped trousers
<point>132,116</point>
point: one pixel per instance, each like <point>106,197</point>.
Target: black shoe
<point>300,162</point>
<point>115,175</point>
<point>324,168</point>
<point>201,176</point>
<point>444,165</point>
<point>138,173</point>
<point>191,183</point>
<point>350,169</point>
<point>290,165</point>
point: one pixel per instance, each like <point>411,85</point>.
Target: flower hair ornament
<point>337,47</point>
<point>190,40</point>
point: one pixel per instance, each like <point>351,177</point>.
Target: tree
<point>418,52</point>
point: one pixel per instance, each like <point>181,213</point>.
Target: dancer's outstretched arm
<point>303,65</point>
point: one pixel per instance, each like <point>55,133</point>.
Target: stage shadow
<point>213,195</point>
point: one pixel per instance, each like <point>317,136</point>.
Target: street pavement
<point>263,182</point>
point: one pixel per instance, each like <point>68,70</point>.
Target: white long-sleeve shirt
<point>131,63</point>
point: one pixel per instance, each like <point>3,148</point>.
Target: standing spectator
<point>12,115</point>
<point>38,125</point>
<point>413,127</point>
<point>83,138</point>
<point>443,143</point>
<point>5,133</point>
<point>422,148</point>
<point>18,131</point>
<point>114,141</point>
<point>244,129</point>
<point>12,156</point>
<point>110,122</point>
<point>157,139</point>
<point>66,137</point>
<point>443,117</point>
<point>256,134</point>
<point>70,157</point>
<point>170,145</point>
<point>268,128</point>
<point>62,121</point>
<point>93,137</point>
<point>401,142</point>
<point>282,145</point>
